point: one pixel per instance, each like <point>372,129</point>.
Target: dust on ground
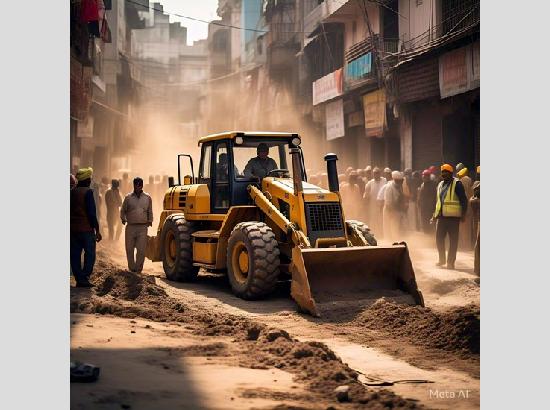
<point>256,345</point>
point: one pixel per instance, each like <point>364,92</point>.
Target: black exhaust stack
<point>332,172</point>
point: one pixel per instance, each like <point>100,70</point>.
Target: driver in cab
<point>261,165</point>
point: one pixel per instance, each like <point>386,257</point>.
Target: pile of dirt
<point>127,294</point>
<point>456,330</point>
<point>318,367</point>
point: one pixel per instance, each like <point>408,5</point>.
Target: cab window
<point>204,172</point>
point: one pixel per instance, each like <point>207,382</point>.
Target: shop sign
<point>334,116</point>
<point>327,87</point>
<point>374,105</point>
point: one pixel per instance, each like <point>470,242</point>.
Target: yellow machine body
<point>323,268</point>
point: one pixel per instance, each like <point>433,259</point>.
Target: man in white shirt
<point>394,207</point>
<point>372,189</point>
<point>137,211</point>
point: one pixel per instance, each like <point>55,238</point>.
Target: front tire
<point>177,249</point>
<point>364,229</point>
<point>252,260</point>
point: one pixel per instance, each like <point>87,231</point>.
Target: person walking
<point>113,201</point>
<point>426,201</point>
<point>395,207</point>
<point>450,208</point>
<point>84,228</point>
<point>410,190</point>
<point>387,174</point>
<point>372,188</point>
<point>137,212</point>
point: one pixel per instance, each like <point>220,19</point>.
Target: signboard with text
<point>334,117</point>
<point>374,105</point>
<point>327,87</point>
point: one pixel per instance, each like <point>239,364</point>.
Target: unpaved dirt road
<point>373,342</point>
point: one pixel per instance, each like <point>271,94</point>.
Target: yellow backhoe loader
<point>263,228</point>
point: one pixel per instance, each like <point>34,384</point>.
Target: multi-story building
<point>435,83</point>
<point>102,89</point>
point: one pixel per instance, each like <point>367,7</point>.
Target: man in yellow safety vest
<point>450,210</point>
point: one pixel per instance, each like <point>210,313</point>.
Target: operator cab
<point>229,165</point>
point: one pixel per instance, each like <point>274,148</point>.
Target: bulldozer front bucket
<point>321,275</point>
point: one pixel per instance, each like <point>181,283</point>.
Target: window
<point>222,193</point>
<point>204,174</point>
<point>245,158</point>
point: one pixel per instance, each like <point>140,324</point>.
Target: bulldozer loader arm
<point>321,275</point>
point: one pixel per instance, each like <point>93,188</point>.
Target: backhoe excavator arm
<point>299,288</point>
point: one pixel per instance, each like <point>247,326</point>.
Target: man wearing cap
<point>395,207</point>
<point>261,165</point>
<point>368,174</point>
<point>137,211</point>
<point>387,174</point>
<point>84,228</point>
<point>113,201</point>
<point>450,209</point>
<point>372,188</point>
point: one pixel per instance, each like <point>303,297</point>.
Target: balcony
<point>360,67</point>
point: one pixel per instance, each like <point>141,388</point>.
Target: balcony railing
<point>457,15</point>
<point>360,65</point>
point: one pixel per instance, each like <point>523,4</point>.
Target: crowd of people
<point>432,201</point>
<point>391,202</point>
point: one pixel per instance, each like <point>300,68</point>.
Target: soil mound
<point>455,330</point>
<point>127,294</point>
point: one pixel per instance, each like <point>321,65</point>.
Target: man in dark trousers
<point>84,228</point>
<point>450,208</point>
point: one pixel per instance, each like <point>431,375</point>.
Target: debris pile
<point>130,295</point>
<point>455,330</point>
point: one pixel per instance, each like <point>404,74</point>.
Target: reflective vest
<point>451,204</point>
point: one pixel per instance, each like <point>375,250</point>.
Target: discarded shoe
<point>84,285</point>
<point>83,372</point>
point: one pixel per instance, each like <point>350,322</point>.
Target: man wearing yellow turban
<point>84,228</point>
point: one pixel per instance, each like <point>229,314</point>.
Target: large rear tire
<point>252,260</point>
<point>177,249</point>
<point>364,229</point>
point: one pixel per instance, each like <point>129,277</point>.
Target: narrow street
<point>445,375</point>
